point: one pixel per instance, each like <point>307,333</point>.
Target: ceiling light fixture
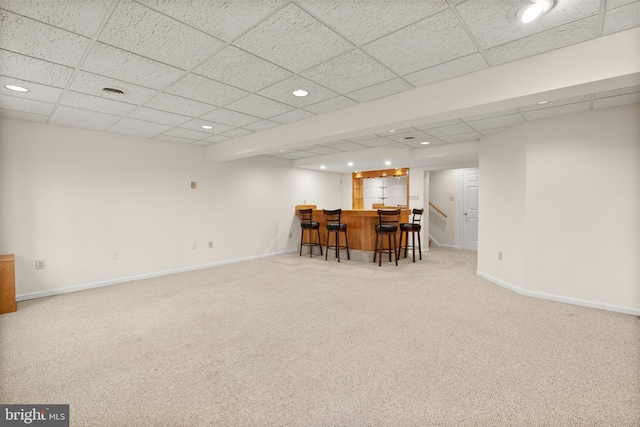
<point>350,164</point>
<point>206,127</point>
<point>425,143</point>
<point>529,10</point>
<point>300,92</point>
<point>387,163</point>
<point>392,130</point>
<point>323,167</point>
<point>16,88</point>
<point>542,102</point>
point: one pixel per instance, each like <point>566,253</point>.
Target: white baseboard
<point>86,286</point>
<point>450,246</point>
<point>566,300</point>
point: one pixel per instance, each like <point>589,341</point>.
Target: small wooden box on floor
<point>7,284</point>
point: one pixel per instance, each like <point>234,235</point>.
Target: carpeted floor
<point>293,341</point>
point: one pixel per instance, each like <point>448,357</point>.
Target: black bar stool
<point>335,227</point>
<point>412,227</point>
<point>307,223</point>
<point>387,225</point>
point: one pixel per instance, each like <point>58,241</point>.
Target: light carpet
<point>294,341</point>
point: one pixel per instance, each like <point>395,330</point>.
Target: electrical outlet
<point>451,199</point>
<point>114,255</point>
<point>194,246</point>
<point>499,256</point>
<point>40,264</point>
<point>290,235</point>
<point>210,245</point>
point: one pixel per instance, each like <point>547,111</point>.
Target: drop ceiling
<point>233,65</point>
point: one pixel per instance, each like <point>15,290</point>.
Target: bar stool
<point>387,225</point>
<point>307,223</point>
<point>412,227</point>
<point>335,227</point>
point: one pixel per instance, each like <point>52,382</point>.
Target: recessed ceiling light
<point>350,164</point>
<point>282,151</point>
<point>542,102</point>
<point>425,143</point>
<point>323,167</point>
<point>392,130</point>
<point>529,10</point>
<point>206,127</point>
<point>300,92</point>
<point>16,88</point>
<point>387,163</point>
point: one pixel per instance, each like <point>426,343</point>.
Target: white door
<point>470,183</point>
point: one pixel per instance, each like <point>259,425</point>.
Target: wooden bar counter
<point>360,225</point>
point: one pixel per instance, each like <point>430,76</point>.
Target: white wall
<point>72,196</point>
<point>560,197</point>
<point>445,184</point>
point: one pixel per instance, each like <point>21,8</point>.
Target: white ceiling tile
<point>217,138</point>
<point>228,117</point>
<point>157,36</point>
<point>110,61</point>
<point>139,128</point>
<point>21,115</point>
<point>557,111</point>
<point>293,30</point>
<point>298,154</point>
<point>487,132</point>
<point>322,150</point>
<point>34,70</point>
<point>179,105</point>
<point>348,72</point>
<point>614,101</point>
<point>32,38</point>
<point>196,124</point>
<point>490,115</point>
<point>187,134</point>
<point>392,132</point>
<point>81,17</point>
<point>439,124</point>
<point>448,70</point>
<point>572,100</point>
<point>206,90</point>
<point>615,92</point>
<point>292,116</point>
<point>496,122</point>
<point>37,91</point>
<point>261,125</point>
<point>348,146</point>
<point>462,137</point>
<point>432,41</point>
<point>76,117</point>
<point>25,105</point>
<point>223,18</point>
<point>157,116</point>
<point>171,138</point>
<point>92,84</point>
<point>237,132</point>
<point>450,130</point>
<point>332,104</point>
<point>380,90</point>
<point>95,103</point>
<point>477,13</point>
<point>545,41</point>
<point>364,21</point>
<point>241,69</point>
<point>259,106</point>
<point>622,18</point>
<point>376,142</point>
<point>282,92</point>
<point>612,4</point>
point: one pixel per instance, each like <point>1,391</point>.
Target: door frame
<point>462,207</point>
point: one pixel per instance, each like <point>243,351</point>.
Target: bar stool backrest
<point>306,218</point>
<point>388,220</point>
<point>417,216</point>
<point>332,218</point>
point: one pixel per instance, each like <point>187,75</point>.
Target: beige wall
<point>560,197</point>
<point>72,196</point>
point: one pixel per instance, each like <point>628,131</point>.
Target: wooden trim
<point>357,191</point>
<point>436,208</point>
<point>7,284</point>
